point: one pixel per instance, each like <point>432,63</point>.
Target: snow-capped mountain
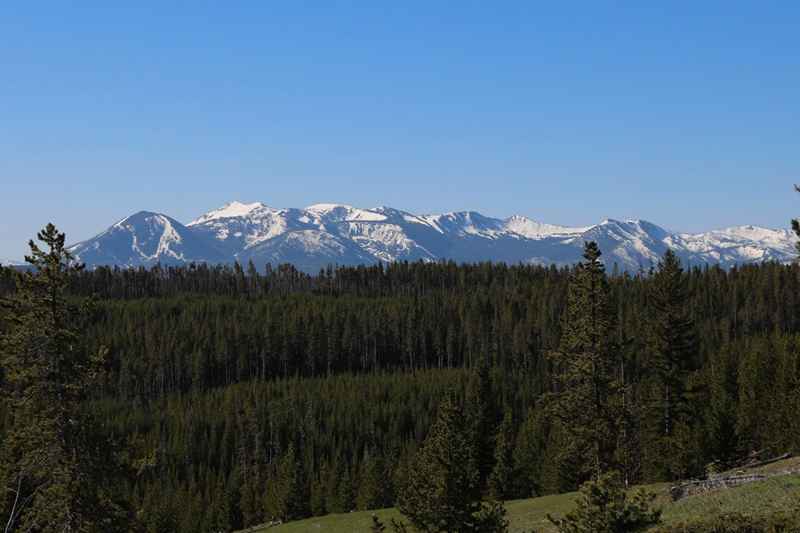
<point>322,234</point>
<point>146,238</point>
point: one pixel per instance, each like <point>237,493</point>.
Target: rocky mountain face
<point>323,234</point>
<point>146,238</point>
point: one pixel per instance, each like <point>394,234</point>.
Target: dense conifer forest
<point>237,396</point>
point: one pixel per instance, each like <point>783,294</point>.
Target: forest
<point>234,396</point>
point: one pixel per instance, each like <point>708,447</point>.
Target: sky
<point>683,113</point>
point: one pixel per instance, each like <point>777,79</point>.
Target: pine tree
<point>286,497</point>
<point>604,507</point>
<point>218,512</point>
<point>59,469</point>
<point>529,453</point>
<point>439,495</point>
<point>586,404</point>
<point>719,433</point>
<point>481,412</point>
<point>671,350</point>
<point>346,491</point>
<point>162,511</point>
<point>250,491</point>
<point>501,481</point>
<point>373,490</point>
<point>317,492</point>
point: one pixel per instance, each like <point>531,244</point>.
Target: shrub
<point>604,507</point>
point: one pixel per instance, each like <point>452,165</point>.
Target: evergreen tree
<point>604,507</point>
<point>373,489</point>
<point>162,512</point>
<point>58,469</point>
<point>671,350</point>
<point>529,453</point>
<point>586,403</point>
<point>286,497</point>
<point>339,488</point>
<point>440,493</point>
<point>502,479</point>
<point>250,500</point>
<point>346,491</point>
<point>317,493</point>
<point>480,410</point>
<point>218,512</point>
<point>719,433</point>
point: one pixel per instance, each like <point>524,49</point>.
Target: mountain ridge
<point>321,234</point>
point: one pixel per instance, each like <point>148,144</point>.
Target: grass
<point>773,494</point>
<point>760,498</point>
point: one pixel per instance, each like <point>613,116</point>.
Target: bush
<point>604,507</point>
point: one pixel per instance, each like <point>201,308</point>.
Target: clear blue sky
<point>683,113</point>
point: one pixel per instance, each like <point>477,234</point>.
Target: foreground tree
<point>502,479</point>
<point>480,410</point>
<point>587,403</point>
<point>604,507</point>
<point>671,347</point>
<point>286,497</point>
<point>440,494</point>
<point>57,468</point>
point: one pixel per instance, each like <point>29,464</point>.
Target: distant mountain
<point>324,234</point>
<point>144,239</point>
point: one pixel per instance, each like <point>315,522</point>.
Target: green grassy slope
<point>525,515</point>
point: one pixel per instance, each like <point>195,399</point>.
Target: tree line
<point>512,315</point>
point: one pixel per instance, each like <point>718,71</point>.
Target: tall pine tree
<point>58,468</point>
<point>440,493</point>
<point>287,498</point>
<point>502,479</point>
<point>586,404</point>
<point>480,409</point>
<point>671,347</point>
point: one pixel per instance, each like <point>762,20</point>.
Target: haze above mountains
<point>322,234</point>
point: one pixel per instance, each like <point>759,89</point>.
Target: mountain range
<point>322,234</point>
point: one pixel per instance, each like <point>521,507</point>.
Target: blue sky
<point>683,113</point>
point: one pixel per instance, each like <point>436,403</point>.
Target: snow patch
<point>530,229</point>
<point>342,212</point>
<point>229,210</point>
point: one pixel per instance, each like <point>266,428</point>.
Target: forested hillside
<point>244,395</point>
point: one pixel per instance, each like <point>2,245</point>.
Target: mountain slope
<point>144,239</point>
<point>322,234</point>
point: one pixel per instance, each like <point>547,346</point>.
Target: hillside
<point>210,370</point>
<point>759,498</point>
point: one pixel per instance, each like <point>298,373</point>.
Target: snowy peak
<point>344,213</point>
<point>531,229</point>
<point>748,233</point>
<point>739,244</point>
<point>145,238</point>
<point>229,210</point>
<point>326,233</point>
<point>254,224</point>
<point>466,223</point>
